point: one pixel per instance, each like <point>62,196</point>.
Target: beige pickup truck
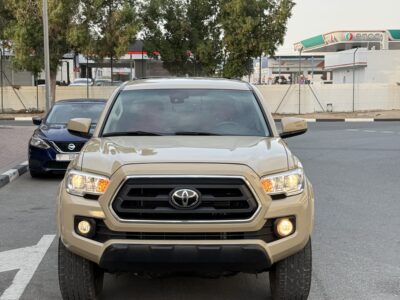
<point>186,175</point>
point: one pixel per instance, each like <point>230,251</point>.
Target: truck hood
<point>263,155</point>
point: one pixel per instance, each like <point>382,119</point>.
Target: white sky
<point>313,17</point>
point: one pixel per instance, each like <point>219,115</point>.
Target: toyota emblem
<point>185,198</point>
<point>71,147</point>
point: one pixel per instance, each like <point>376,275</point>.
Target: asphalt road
<point>354,168</point>
<point>13,144</point>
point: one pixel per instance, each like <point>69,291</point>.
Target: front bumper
<point>118,254</point>
<point>185,258</point>
<point>44,161</point>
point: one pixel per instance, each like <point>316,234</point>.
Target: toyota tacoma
<point>185,176</point>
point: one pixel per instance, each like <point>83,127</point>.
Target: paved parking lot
<point>13,143</point>
<point>354,168</point>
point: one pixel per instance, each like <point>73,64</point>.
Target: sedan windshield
<point>61,113</point>
<point>186,112</point>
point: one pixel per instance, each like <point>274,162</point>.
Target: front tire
<point>79,278</point>
<point>35,174</point>
<point>291,277</point>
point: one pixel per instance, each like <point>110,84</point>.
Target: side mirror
<point>293,127</point>
<point>37,121</point>
<point>80,125</point>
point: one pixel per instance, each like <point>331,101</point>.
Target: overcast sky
<point>313,17</point>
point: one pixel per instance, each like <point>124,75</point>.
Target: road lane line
<point>26,260</point>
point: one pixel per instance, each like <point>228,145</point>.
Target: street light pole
<point>1,79</point>
<point>131,66</point>
<point>300,70</point>
<point>87,76</point>
<point>354,77</point>
<point>46,53</point>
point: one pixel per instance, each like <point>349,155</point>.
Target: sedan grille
<point>150,199</point>
<point>70,146</point>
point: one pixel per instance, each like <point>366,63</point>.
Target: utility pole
<point>46,53</point>
<point>1,79</point>
<point>354,77</point>
<point>300,70</point>
<point>260,71</point>
<point>87,76</point>
<point>131,66</point>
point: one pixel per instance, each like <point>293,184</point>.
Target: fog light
<point>84,227</point>
<point>284,227</point>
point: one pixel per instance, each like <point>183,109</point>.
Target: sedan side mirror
<point>80,125</point>
<point>293,127</point>
<point>37,121</point>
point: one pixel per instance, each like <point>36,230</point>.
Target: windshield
<point>186,112</point>
<point>61,113</point>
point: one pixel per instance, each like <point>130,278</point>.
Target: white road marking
<point>25,163</point>
<point>390,132</point>
<point>354,130</point>
<point>370,131</point>
<point>26,260</point>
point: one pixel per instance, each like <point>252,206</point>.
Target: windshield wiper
<point>132,133</point>
<point>195,133</point>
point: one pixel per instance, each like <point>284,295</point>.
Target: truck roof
<point>187,83</point>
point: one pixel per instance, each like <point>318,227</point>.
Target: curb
<point>350,120</point>
<point>361,120</point>
<point>13,174</point>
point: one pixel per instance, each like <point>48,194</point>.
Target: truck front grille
<point>150,199</point>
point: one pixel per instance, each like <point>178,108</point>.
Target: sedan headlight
<point>80,184</point>
<point>288,183</point>
<point>39,143</point>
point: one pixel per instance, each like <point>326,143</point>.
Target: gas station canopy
<point>344,40</point>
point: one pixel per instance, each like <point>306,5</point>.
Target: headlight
<point>288,183</point>
<point>80,184</point>
<point>39,143</point>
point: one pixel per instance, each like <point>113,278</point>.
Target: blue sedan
<point>52,146</point>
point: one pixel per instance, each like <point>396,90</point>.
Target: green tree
<point>186,33</point>
<point>105,28</point>
<point>5,18</point>
<point>252,28</point>
<point>26,34</point>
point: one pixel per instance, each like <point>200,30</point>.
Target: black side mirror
<point>37,121</point>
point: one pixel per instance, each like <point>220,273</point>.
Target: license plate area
<point>66,157</point>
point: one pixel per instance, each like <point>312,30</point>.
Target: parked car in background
<point>107,82</point>
<point>52,146</point>
<point>280,80</point>
<point>82,82</point>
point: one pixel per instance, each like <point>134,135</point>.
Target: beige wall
<point>368,97</point>
<point>28,95</point>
